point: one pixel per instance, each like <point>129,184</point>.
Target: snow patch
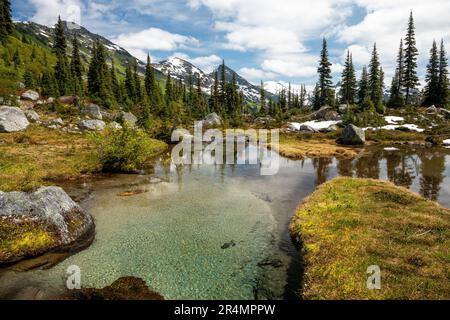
<point>316,125</point>
<point>411,127</point>
<point>393,119</point>
<point>446,142</point>
<point>391,149</point>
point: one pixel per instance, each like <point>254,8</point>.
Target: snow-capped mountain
<point>181,69</point>
<point>275,87</point>
<point>177,67</point>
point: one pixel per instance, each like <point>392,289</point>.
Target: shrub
<point>125,150</point>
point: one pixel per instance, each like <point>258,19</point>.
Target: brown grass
<point>350,224</point>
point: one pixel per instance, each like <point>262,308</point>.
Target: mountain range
<point>177,67</point>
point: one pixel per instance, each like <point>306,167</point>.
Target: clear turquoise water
<point>172,234</point>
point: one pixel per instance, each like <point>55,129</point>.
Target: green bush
<point>125,150</point>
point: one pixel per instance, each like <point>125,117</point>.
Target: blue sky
<point>261,39</point>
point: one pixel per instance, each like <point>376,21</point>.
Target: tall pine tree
<point>443,95</point>
<point>62,71</point>
<point>349,85</point>
<point>432,78</point>
<point>325,83</point>
<point>99,76</point>
<point>364,87</point>
<point>396,99</point>
<point>410,79</point>
<point>375,81</point>
<point>76,68</point>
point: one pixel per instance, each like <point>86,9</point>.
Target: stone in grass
<point>92,125</point>
<point>12,119</point>
<point>32,116</point>
<point>352,135</point>
<point>30,95</point>
<point>93,111</point>
<point>35,223</point>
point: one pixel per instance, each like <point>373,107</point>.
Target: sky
<point>270,40</point>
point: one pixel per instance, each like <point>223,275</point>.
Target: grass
<point>41,156</point>
<point>301,146</point>
<point>350,224</point>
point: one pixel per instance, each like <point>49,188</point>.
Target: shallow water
<point>220,232</point>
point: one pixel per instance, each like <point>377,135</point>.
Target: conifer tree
<point>302,97</point>
<point>364,87</point>
<point>62,67</point>
<point>375,81</point>
<point>76,68</point>
<point>130,84</point>
<point>349,85</point>
<point>99,76</point>
<point>325,83</point>
<point>410,79</point>
<point>6,23</point>
<point>262,98</point>
<point>115,85</point>
<point>137,83</point>
<point>443,78</point>
<point>48,84</point>
<point>223,86</point>
<point>151,87</point>
<point>432,78</point>
<point>396,99</point>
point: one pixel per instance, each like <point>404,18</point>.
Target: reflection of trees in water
<point>432,168</point>
<point>399,169</point>
<point>345,167</point>
<point>322,166</point>
<point>368,166</point>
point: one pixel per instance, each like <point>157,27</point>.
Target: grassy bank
<point>350,224</point>
<point>41,156</point>
<point>312,146</point>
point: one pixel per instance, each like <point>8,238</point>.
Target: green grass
<point>350,224</point>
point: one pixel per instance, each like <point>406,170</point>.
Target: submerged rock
<point>34,223</point>
<point>12,119</point>
<point>126,288</point>
<point>228,245</point>
<point>352,135</point>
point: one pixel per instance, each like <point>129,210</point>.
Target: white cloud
<point>150,39</point>
<point>256,75</point>
<point>47,11</point>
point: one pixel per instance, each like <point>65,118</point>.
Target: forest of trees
<point>176,101</point>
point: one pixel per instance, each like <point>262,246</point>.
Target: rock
<point>306,128</point>
<point>69,99</point>
<point>128,118</point>
<point>30,95</point>
<point>331,128</point>
<point>12,119</point>
<point>54,123</point>
<point>445,113</point>
<point>114,126</point>
<point>32,116</point>
<point>92,125</point>
<point>228,245</point>
<point>212,120</point>
<point>126,288</point>
<point>50,100</point>
<point>332,116</point>
<point>320,114</point>
<point>352,135</point>
<point>26,104</point>
<point>93,111</point>
<point>48,214</point>
<point>432,110</point>
<point>432,140</point>
<point>263,120</point>
<point>342,109</point>
<point>109,116</point>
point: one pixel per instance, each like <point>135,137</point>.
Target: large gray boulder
<point>332,116</point>
<point>128,118</point>
<point>48,214</point>
<point>93,111</point>
<point>352,135</point>
<point>320,114</point>
<point>91,125</point>
<point>12,119</point>
<point>212,120</point>
<point>32,116</point>
<point>30,95</point>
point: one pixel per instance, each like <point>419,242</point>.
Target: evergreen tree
<point>364,87</point>
<point>16,59</point>
<point>410,79</point>
<point>115,86</point>
<point>349,86</point>
<point>262,98</point>
<point>325,79</point>
<point>76,67</point>
<point>151,87</point>
<point>302,97</point>
<point>443,85</point>
<point>99,76</point>
<point>6,23</point>
<point>396,99</point>
<point>375,81</point>
<point>137,82</point>
<point>62,68</point>
<point>28,79</point>
<point>49,87</point>
<point>432,78</point>
<point>130,84</point>
<point>223,86</point>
